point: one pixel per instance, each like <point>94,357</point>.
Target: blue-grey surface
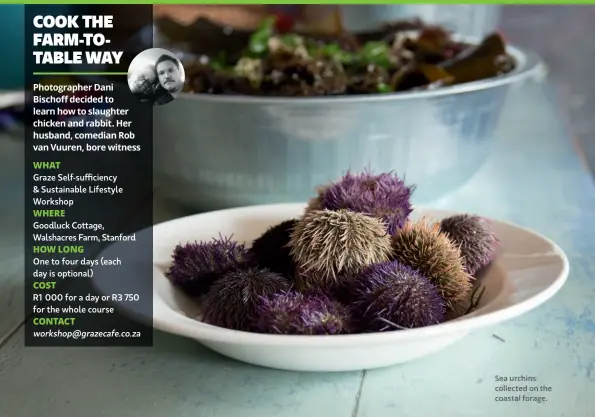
<point>565,37</point>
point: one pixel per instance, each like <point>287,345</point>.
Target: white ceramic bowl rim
<point>528,65</point>
<point>165,318</point>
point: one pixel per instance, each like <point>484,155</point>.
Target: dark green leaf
<point>384,88</point>
<point>334,50</point>
<point>377,53</point>
<point>258,44</point>
<point>290,40</point>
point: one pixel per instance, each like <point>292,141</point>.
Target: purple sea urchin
<point>270,249</point>
<point>384,196</point>
<point>392,296</point>
<point>315,203</point>
<point>195,266</point>
<point>328,245</point>
<point>338,290</point>
<point>232,299</point>
<point>422,246</point>
<point>293,312</point>
<point>475,238</point>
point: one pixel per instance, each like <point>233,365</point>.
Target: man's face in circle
<point>169,76</point>
<point>143,80</point>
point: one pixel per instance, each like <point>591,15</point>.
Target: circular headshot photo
<point>156,76</point>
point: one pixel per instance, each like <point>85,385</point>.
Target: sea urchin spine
<point>301,314</point>
<point>423,247</point>
<point>475,238</point>
<point>270,249</point>
<point>328,245</point>
<point>384,196</point>
<point>232,299</point>
<point>315,203</point>
<point>393,296</point>
<point>196,266</point>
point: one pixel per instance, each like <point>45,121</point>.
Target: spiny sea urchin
<point>393,296</point>
<point>328,245</point>
<point>422,246</point>
<point>475,238</point>
<point>294,312</point>
<point>315,203</point>
<point>270,249</point>
<point>196,266</point>
<point>232,299</point>
<point>340,290</point>
<point>384,196</point>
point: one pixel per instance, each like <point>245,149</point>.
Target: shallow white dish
<point>529,270</point>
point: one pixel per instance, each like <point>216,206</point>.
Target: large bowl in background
<point>469,20</point>
<point>214,152</point>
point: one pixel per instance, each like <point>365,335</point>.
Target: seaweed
<point>401,56</point>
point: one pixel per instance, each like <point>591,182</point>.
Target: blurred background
<point>562,35</point>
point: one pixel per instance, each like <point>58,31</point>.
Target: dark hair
<point>164,58</point>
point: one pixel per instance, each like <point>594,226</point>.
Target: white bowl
<point>529,270</point>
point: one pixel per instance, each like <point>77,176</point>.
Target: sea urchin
<point>392,296</point>
<point>270,249</point>
<point>294,312</point>
<point>423,247</point>
<point>475,238</point>
<point>196,266</point>
<point>315,203</point>
<point>232,299</point>
<point>327,245</point>
<point>384,196</point>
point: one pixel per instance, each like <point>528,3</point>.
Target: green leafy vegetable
<point>334,50</point>
<point>220,61</point>
<point>384,88</point>
<point>376,53</point>
<point>290,40</point>
<point>258,44</point>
